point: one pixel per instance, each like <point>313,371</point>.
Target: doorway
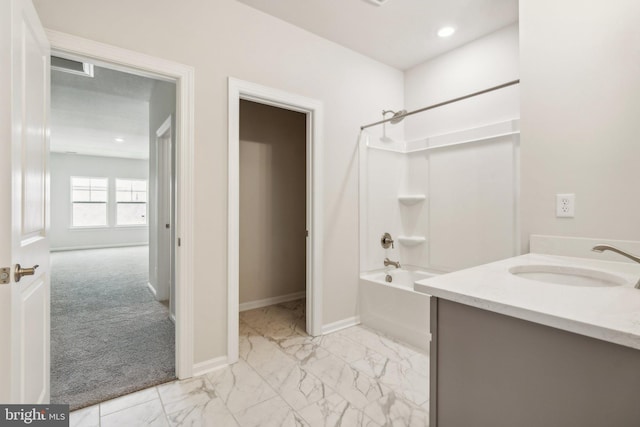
<point>312,110</point>
<point>272,217</point>
<point>111,332</point>
<point>78,48</point>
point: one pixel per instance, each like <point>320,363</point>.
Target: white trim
<point>250,305</point>
<point>152,289</point>
<point>164,127</point>
<point>239,89</point>
<point>81,248</point>
<point>79,49</point>
<point>183,75</point>
<point>341,324</point>
<point>210,365</point>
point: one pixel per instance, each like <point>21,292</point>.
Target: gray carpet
<point>109,336</point>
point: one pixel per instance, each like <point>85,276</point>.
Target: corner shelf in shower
<point>411,240</point>
<point>411,199</point>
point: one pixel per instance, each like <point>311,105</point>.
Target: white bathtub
<point>394,308</point>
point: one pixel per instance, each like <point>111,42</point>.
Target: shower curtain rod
<point>440,104</point>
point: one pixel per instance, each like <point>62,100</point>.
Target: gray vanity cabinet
<point>492,370</point>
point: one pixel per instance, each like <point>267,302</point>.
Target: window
<point>89,202</point>
<point>131,202</point>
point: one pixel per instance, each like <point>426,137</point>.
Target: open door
<point>24,216</point>
<point>164,215</point>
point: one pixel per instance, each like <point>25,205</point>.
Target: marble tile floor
<point>352,377</point>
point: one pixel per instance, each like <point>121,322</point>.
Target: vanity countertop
<point>607,313</point>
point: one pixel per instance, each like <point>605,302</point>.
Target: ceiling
<point>400,33</point>
<point>88,114</point>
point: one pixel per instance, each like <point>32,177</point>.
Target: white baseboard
<point>79,248</point>
<point>250,305</point>
<point>153,290</point>
<point>210,365</point>
<point>340,324</point>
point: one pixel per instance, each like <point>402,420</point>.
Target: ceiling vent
<point>378,2</point>
<point>71,66</point>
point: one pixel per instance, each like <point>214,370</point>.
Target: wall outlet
<point>565,205</point>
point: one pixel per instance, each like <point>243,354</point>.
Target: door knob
<point>19,272</point>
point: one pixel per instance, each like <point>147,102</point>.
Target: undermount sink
<point>564,275</point>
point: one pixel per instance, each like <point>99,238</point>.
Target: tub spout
<point>388,262</point>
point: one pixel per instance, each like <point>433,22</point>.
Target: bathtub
<point>394,308</point>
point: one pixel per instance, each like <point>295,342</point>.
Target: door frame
<point>313,109</point>
<point>79,48</point>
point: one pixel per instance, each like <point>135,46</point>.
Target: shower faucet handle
<point>386,241</point>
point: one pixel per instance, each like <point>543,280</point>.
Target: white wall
<point>63,167</point>
<point>272,202</point>
<point>580,107</point>
<point>483,63</point>
<point>225,38</point>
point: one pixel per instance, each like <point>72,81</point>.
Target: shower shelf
<point>411,240</point>
<point>411,199</point>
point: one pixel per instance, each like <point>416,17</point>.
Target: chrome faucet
<point>602,248</point>
<point>388,262</point>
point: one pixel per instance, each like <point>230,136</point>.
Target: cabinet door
<point>493,370</point>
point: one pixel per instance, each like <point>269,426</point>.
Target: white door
<point>164,214</point>
<point>24,214</point>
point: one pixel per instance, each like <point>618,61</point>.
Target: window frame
<point>72,202</point>
<point>115,203</point>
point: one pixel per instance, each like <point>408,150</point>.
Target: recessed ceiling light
<point>118,140</point>
<point>378,2</point>
<point>446,31</point>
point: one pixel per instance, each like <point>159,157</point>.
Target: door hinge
<point>5,275</point>
<point>306,233</point>
<point>179,242</point>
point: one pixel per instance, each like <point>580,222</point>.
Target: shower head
<point>397,115</point>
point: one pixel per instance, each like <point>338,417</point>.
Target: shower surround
<point>449,201</point>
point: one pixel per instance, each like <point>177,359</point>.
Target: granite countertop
<point>608,313</point>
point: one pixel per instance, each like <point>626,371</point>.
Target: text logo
<point>34,415</point>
